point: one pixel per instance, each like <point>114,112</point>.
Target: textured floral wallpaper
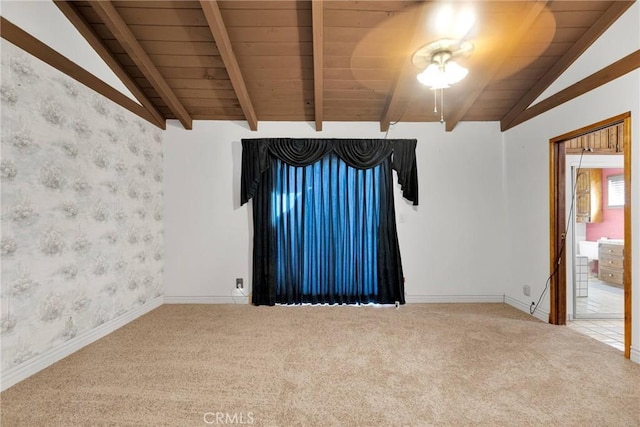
<point>81,208</point>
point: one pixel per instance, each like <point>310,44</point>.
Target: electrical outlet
<point>239,283</point>
<point>526,289</point>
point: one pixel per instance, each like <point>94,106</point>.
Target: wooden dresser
<point>610,263</point>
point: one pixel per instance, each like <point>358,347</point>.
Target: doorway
<point>609,137</point>
<point>596,236</point>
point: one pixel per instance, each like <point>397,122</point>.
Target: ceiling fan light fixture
<point>440,71</point>
<point>434,77</point>
<point>454,72</point>
<point>440,75</point>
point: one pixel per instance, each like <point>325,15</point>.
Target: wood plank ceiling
<point>333,60</point>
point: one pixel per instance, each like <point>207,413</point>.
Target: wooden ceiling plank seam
<point>123,34</point>
<point>182,4</point>
<point>496,63</point>
<point>377,5</point>
<point>362,18</point>
<point>154,16</point>
<point>265,17</point>
<point>593,81</point>
<point>405,68</point>
<point>572,19</point>
<point>578,6</point>
<point>72,14</point>
<point>35,47</point>
<point>168,48</point>
<point>264,4</point>
<point>183,61</point>
<point>218,30</point>
<point>317,12</point>
<point>259,48</point>
<point>615,10</point>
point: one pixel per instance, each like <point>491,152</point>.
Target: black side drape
<point>361,154</point>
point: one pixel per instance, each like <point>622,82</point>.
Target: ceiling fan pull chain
<point>441,105</point>
<point>435,102</point>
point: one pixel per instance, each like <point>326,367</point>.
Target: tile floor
<point>600,314</point>
<point>610,332</point>
<point>602,301</point>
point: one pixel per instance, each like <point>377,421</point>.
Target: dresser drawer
<point>612,276</point>
<point>608,261</point>
<point>614,250</point>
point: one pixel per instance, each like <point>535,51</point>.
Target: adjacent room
<point>319,212</point>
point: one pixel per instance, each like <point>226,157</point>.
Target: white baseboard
<point>13,376</point>
<point>445,299</point>
<point>635,354</point>
<point>206,300</point>
<point>540,314</point>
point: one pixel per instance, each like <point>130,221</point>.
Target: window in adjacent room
<point>615,188</point>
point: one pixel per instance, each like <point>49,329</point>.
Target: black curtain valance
<point>357,153</point>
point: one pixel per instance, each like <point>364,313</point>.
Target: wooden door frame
<point>558,220</point>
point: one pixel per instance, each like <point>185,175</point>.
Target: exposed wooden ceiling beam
<point>487,75</point>
<point>35,47</point>
<point>614,11</point>
<point>114,22</point>
<point>220,35</point>
<point>318,79</point>
<point>71,12</point>
<point>597,79</point>
<point>405,70</point>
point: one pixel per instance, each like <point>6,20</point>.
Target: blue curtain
<point>325,218</point>
<point>324,230</point>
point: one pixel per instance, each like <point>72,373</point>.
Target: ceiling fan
<point>438,44</point>
<point>440,69</point>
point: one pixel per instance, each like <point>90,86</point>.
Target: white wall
<point>527,167</point>
<point>452,245</point>
<point>619,40</point>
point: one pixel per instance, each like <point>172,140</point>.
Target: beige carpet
<point>431,364</point>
